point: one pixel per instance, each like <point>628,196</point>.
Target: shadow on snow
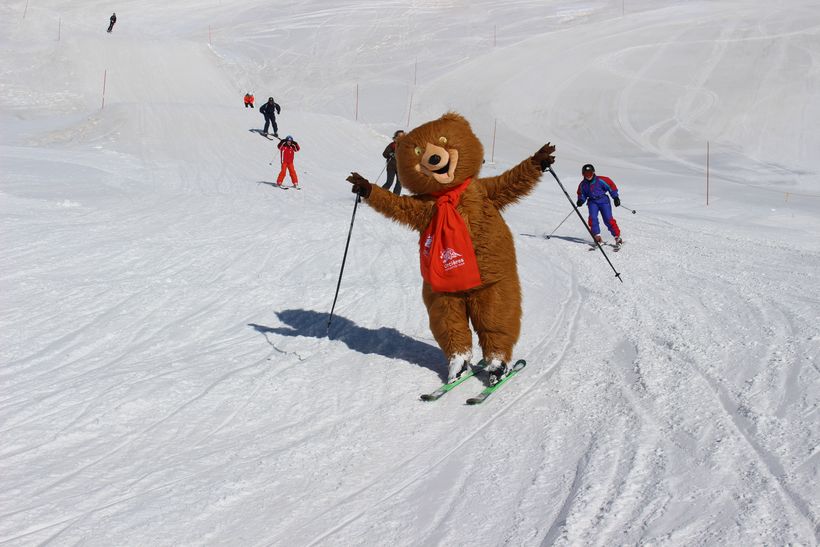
<point>272,184</point>
<point>586,241</point>
<point>383,341</point>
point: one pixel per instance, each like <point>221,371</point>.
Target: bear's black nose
<point>435,159</point>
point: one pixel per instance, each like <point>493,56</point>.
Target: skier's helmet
<point>288,138</point>
<point>270,99</point>
<point>588,168</point>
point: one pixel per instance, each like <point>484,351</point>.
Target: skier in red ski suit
<point>287,149</point>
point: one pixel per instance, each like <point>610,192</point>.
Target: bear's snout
<point>438,163</point>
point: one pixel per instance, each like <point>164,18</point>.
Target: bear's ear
<point>455,117</point>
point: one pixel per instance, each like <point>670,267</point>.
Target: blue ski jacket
<point>597,189</point>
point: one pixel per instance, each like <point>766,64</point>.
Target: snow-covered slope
<point>167,376</point>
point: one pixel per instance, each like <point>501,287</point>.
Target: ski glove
<point>544,157</point>
<point>579,202</point>
<point>617,201</point>
<point>360,184</point>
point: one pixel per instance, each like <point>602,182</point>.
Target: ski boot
<point>497,369</point>
<point>598,238</point>
<point>459,364</point>
<point>618,240</point>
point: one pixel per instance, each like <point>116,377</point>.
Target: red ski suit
<point>287,149</point>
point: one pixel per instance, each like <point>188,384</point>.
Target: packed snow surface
<point>167,376</point>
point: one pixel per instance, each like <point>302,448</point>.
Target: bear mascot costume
<point>466,249</point>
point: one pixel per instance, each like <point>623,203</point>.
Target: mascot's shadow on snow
<point>384,341</point>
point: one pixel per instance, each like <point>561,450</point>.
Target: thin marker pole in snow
<point>25,10</point>
<point>357,102</point>
<point>59,28</point>
<point>105,76</point>
<point>618,275</point>
<point>707,173</point>
<point>344,259</point>
<point>492,153</point>
<point>409,110</point>
<point>495,35</point>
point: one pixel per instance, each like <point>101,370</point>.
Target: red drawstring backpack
<point>448,261</point>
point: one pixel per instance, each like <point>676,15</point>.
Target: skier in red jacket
<point>287,149</point>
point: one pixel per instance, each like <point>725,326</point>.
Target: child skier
<point>287,149</point>
<point>112,20</point>
<point>593,190</point>
<point>248,100</point>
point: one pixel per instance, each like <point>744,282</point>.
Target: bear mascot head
<point>438,154</point>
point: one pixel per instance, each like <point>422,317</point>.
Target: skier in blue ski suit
<point>593,190</point>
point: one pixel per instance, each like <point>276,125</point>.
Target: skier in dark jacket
<point>593,190</point>
<point>390,155</point>
<point>270,109</point>
<point>112,19</point>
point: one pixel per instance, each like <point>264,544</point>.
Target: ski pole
<point>618,275</point>
<point>559,225</point>
<point>380,173</point>
<point>633,211</point>
<point>344,258</point>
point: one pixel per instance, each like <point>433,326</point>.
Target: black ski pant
<point>391,174</point>
<point>270,120</point>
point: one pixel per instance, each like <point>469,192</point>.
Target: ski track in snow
<point>168,376</point>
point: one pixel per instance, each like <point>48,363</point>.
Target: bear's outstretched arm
<point>410,210</point>
<point>512,185</point>
<point>515,183</point>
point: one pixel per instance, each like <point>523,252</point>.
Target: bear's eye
<point>442,140</point>
<point>418,150</point>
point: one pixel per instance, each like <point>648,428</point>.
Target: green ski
<point>481,397</point>
<point>440,392</point>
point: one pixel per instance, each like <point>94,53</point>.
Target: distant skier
<point>248,100</point>
<point>390,155</point>
<point>593,190</point>
<point>270,109</point>
<point>287,149</point>
<point>113,20</point>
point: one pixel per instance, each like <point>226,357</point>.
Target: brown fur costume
<point>440,154</point>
